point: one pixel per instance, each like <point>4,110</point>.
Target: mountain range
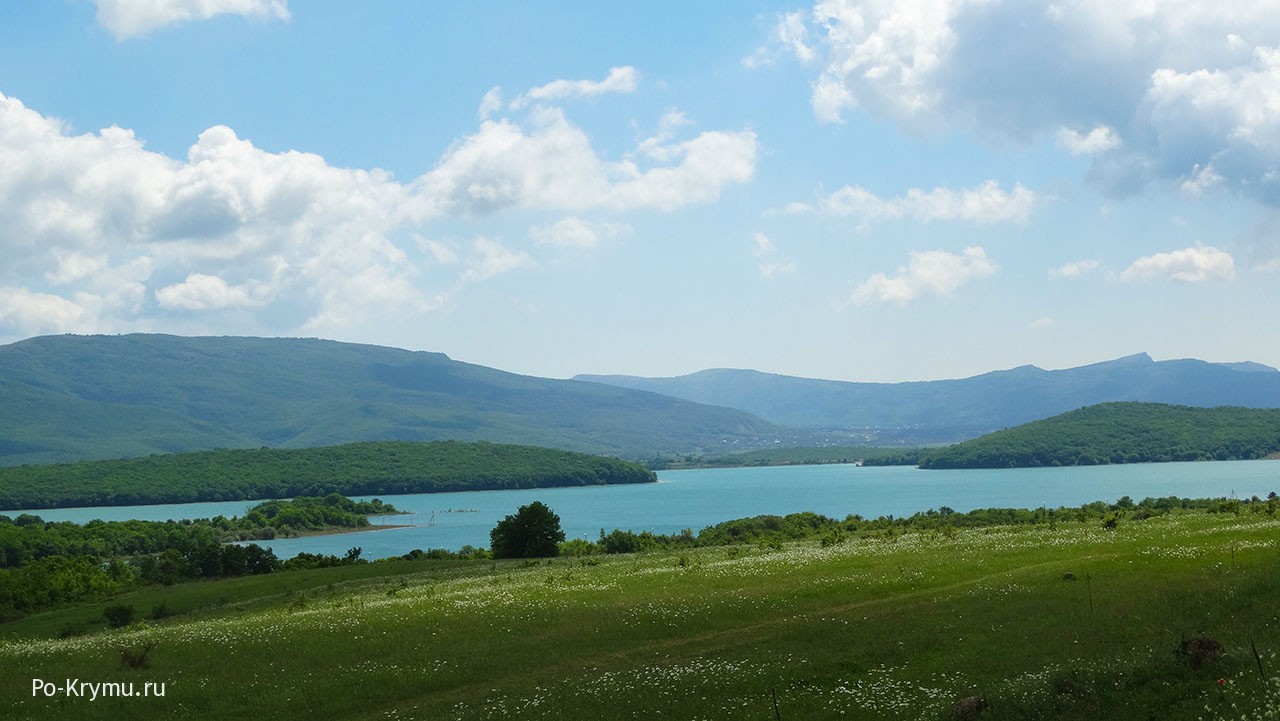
<point>66,398</point>
<point>951,410</point>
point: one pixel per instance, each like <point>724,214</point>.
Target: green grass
<point>896,626</point>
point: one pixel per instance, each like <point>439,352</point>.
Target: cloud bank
<point>125,238</point>
<point>1155,92</point>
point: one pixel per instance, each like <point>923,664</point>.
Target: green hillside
<point>66,398</point>
<point>1121,433</point>
<point>354,469</point>
<point>1169,618</point>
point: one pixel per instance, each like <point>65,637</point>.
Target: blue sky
<point>855,190</point>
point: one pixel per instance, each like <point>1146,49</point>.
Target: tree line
<point>357,469</point>
<point>45,564</point>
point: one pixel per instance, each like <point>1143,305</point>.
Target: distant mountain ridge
<point>969,407</point>
<point>67,398</point>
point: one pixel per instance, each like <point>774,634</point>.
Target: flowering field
<point>1071,622</point>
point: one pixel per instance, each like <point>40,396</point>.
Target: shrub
<point>137,656</point>
<point>118,616</point>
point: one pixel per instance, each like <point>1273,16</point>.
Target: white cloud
<point>933,272</point>
<point>1197,264</point>
<point>552,165</point>
<point>209,292</point>
<point>1149,89</point>
<point>1202,179</point>
<point>440,252</point>
<point>1074,269</point>
<point>135,18</point>
<point>302,239</point>
<point>74,266</point>
<point>492,258</point>
<point>490,103</point>
<point>576,233</point>
<point>1041,323</point>
<point>790,34</point>
<point>619,80</point>
<point>32,312</point>
<point>770,266</point>
<point>1095,141</point>
<point>986,203</point>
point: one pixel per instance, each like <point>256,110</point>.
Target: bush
<point>137,656</point>
<point>118,616</point>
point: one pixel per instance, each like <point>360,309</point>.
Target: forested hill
<point>353,469</point>
<point>1121,433</point>
<point>66,398</point>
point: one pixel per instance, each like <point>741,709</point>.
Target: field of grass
<point>877,627</point>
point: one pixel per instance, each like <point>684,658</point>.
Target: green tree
<point>533,531</point>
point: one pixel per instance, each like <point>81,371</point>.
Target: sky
<point>855,190</point>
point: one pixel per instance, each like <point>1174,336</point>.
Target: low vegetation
<point>1121,433</point>
<point>356,469</point>
<point>1167,613</point>
<point>45,565</point>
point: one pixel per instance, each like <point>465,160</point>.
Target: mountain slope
<point>1121,433</point>
<point>67,398</point>
<point>970,406</point>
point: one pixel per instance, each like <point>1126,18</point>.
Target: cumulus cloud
<point>1095,141</point>
<point>934,272</point>
<point>551,164</point>
<point>576,233</point>
<point>119,231</point>
<point>1198,264</point>
<point>1074,269</point>
<point>33,312</point>
<point>1149,90</point>
<point>985,203</point>
<point>619,80</point>
<point>134,18</point>
<point>206,292</point>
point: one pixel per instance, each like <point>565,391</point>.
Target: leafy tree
<point>533,531</point>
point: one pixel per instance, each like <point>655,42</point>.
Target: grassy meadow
<point>885,626</point>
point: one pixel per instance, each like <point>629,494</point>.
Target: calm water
<point>698,498</point>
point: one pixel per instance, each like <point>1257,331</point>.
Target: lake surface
<point>699,498</point>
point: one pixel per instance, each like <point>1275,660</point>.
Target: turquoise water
<point>698,498</point>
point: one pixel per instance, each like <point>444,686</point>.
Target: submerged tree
<point>533,531</point>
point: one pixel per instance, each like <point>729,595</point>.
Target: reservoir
<point>695,499</point>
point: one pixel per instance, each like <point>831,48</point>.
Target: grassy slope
<point>873,628</point>
<point>71,397</point>
<point>1121,433</point>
